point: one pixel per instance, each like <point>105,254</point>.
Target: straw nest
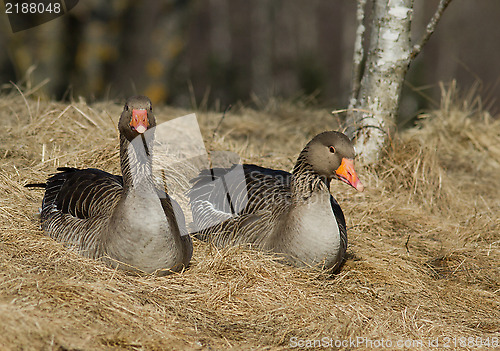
<point>423,257</point>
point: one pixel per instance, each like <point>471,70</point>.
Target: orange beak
<point>347,174</point>
<point>139,120</point>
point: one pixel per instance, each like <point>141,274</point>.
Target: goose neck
<point>305,181</point>
<point>136,162</point>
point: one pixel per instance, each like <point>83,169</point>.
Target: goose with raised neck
<point>125,221</point>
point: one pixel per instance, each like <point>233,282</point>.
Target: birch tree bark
<point>378,74</point>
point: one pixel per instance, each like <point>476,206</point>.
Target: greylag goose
<point>126,221</point>
<point>292,214</point>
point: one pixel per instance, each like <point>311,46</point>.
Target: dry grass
<point>424,241</point>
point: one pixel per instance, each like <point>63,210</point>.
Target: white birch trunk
<point>377,83</point>
<point>375,97</point>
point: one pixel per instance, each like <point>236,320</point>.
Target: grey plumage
<point>125,221</point>
<point>289,213</point>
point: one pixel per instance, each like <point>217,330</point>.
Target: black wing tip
<point>53,176</point>
<point>36,185</point>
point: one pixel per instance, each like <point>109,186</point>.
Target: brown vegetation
<point>424,241</point>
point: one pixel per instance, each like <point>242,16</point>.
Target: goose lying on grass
<point>293,214</point>
<point>124,220</point>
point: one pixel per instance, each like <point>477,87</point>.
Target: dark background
<point>207,54</point>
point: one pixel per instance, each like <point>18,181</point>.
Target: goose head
<point>137,117</point>
<point>331,155</point>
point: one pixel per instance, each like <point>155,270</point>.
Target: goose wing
<point>266,187</point>
<point>217,196</point>
<point>339,215</point>
<point>81,193</point>
<point>175,217</point>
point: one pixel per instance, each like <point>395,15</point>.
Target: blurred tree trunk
<point>378,74</point>
<point>261,42</point>
<point>220,30</point>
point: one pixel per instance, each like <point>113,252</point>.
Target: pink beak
<point>139,120</point>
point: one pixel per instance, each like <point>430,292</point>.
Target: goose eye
<point>126,107</point>
<point>150,107</point>
<point>332,149</point>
